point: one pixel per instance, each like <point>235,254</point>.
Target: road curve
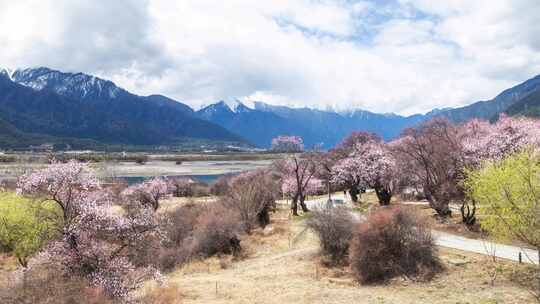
<point>448,240</point>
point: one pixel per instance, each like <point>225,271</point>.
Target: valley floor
<point>283,266</point>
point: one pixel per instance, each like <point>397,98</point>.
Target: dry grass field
<point>281,265</point>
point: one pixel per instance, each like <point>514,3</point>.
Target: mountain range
<point>79,106</point>
<point>262,122</point>
<point>42,105</point>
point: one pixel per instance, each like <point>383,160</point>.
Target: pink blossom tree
<point>289,144</point>
<point>484,141</point>
<point>298,178</point>
<point>349,143</point>
<point>96,240</point>
<point>347,172</point>
<point>370,164</point>
<point>379,170</point>
<point>149,192</point>
<point>348,169</point>
<point>432,155</point>
<point>181,186</point>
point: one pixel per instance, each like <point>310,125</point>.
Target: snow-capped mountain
<point>7,73</point>
<point>327,128</point>
<point>81,86</point>
<point>235,105</point>
<point>264,121</point>
<point>77,105</point>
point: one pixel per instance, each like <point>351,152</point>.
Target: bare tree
<point>253,195</point>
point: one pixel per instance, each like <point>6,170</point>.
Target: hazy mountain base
<point>12,138</point>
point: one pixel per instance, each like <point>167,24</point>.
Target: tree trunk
<point>383,195</point>
<point>468,216</point>
<point>294,205</point>
<point>354,194</point>
<point>439,205</point>
<point>442,209</point>
<point>263,217</point>
<point>303,204</point>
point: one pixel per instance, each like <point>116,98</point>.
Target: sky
<point>402,56</point>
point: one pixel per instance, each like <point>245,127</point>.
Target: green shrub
<point>25,225</point>
<point>508,195</point>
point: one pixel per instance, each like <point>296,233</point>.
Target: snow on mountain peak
<point>232,103</point>
<point>77,85</point>
<point>7,72</point>
<point>235,105</point>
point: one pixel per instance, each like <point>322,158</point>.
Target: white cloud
<point>404,56</point>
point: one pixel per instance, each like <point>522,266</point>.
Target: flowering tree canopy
<point>288,144</point>
<point>348,169</point>
<point>180,186</point>
<point>298,178</point>
<point>432,154</point>
<point>149,192</point>
<point>346,147</point>
<point>484,141</point>
<point>348,172</point>
<point>289,186</point>
<point>95,237</point>
<point>370,164</point>
<point>379,170</point>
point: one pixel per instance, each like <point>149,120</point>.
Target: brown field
<point>282,266</point>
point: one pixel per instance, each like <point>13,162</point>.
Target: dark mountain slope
<point>492,108</point>
<point>79,105</point>
<point>118,118</point>
<point>528,106</point>
<point>256,126</point>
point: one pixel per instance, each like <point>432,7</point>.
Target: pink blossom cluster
<point>290,186</point>
<point>368,165</point>
<point>484,141</point>
<point>288,144</point>
<point>149,192</point>
<point>96,237</point>
<point>299,176</point>
<point>348,172</point>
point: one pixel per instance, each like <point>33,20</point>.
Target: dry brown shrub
<point>252,195</point>
<point>165,295</point>
<point>220,186</point>
<point>334,228</point>
<point>393,242</point>
<point>44,285</point>
<point>217,232</point>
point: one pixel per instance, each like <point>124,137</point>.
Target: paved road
<point>484,247</point>
<point>448,240</point>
